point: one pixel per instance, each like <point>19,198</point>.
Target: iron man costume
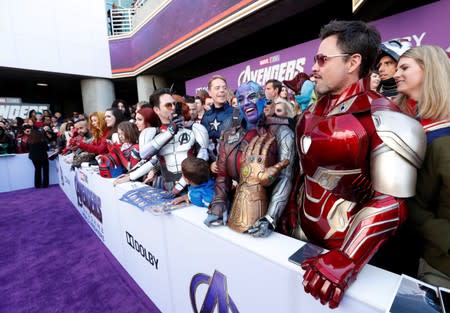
<point>359,156</point>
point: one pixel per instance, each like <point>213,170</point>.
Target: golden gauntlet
<point>251,199</point>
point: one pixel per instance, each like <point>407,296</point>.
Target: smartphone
<point>178,109</point>
<point>308,250</point>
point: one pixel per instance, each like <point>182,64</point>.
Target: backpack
<point>109,165</point>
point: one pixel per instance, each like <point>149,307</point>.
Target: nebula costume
<point>359,156</point>
<point>263,169</point>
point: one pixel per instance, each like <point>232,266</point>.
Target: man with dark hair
<point>193,112</point>
<point>359,156</point>
<point>390,53</point>
<point>272,90</point>
<point>172,142</point>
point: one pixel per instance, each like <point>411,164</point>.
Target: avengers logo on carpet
<point>89,199</point>
<point>217,294</point>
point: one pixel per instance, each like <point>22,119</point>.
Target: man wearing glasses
<point>172,142</point>
<point>359,156</point>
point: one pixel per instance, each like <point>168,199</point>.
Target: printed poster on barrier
<point>154,200</point>
<point>415,296</point>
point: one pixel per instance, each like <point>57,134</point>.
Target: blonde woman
<point>422,79</point>
<point>284,108</point>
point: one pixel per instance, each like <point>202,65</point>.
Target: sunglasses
<point>320,58</point>
<point>170,105</point>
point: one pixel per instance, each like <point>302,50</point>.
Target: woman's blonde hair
<point>97,132</point>
<point>287,105</point>
<point>434,102</point>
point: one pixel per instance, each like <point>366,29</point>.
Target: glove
<point>251,201</point>
<point>328,275</point>
<point>261,228</point>
<point>175,124</point>
<point>74,141</point>
<point>215,220</point>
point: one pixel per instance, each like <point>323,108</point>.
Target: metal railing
<point>121,20</point>
<point>139,3</point>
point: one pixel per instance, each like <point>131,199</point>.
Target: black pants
<point>39,166</point>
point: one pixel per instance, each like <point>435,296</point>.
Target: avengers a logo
<point>184,138</point>
<point>216,295</point>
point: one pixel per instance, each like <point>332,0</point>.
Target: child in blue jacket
<point>201,186</point>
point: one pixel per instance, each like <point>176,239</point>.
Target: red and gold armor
<point>347,146</point>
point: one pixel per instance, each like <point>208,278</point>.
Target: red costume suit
<point>359,156</point>
<point>127,154</point>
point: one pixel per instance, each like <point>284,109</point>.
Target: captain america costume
<point>216,120</point>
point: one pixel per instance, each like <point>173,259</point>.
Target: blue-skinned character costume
<point>303,89</point>
<point>259,155</point>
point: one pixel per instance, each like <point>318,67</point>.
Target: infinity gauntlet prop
<point>251,200</point>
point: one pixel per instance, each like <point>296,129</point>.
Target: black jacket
<point>38,151</point>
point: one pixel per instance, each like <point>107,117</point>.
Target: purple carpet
<point>51,261</point>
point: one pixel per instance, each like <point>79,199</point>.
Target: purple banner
<point>424,25</point>
<point>177,22</point>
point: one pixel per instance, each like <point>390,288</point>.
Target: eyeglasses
<point>322,58</point>
<point>170,105</point>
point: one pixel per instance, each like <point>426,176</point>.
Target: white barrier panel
<point>67,181</point>
<point>92,196</point>
<point>144,248</point>
<point>184,266</point>
<point>110,218</point>
<point>256,272</point>
<point>17,172</point>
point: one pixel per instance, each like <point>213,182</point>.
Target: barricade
<point>184,266</point>
<point>17,172</point>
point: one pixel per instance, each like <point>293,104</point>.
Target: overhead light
<point>42,84</point>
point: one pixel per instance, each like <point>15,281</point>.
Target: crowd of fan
<point>123,139</point>
<point>14,133</point>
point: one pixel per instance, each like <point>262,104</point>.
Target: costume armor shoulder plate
<point>147,135</point>
<point>394,163</point>
<point>201,135</point>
